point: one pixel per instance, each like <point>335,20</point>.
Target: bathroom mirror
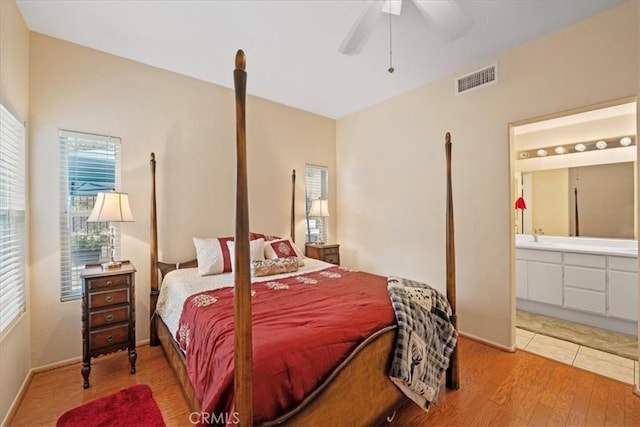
<point>604,206</point>
<point>591,155</point>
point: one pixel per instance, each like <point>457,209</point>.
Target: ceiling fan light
<point>625,141</point>
<point>580,147</point>
<point>601,145</point>
<point>392,6</point>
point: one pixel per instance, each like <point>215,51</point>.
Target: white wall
<point>390,163</point>
<point>15,345</point>
<point>190,125</point>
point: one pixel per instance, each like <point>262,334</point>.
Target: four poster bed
<point>323,358</point>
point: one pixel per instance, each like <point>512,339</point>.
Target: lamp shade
<point>319,208</point>
<point>111,207</point>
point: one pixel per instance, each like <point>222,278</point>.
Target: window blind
<point>89,164</point>
<point>316,186</point>
<point>12,218</point>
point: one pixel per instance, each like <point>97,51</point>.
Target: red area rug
<point>133,406</point>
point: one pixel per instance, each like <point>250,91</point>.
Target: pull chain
<point>391,69</point>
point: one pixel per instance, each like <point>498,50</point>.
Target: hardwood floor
<point>53,392</point>
<point>496,389</point>
<point>522,389</point>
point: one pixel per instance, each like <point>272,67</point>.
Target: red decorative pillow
<point>282,248</point>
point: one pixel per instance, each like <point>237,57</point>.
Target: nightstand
<point>108,314</point>
<point>326,253</point>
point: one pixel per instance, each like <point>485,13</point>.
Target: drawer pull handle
<point>109,298</point>
<point>109,338</point>
<point>109,317</point>
<point>109,283</point>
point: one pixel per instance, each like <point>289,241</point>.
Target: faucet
<point>536,233</point>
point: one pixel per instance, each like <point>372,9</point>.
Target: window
<point>317,187</point>
<point>88,164</point>
<point>12,218</point>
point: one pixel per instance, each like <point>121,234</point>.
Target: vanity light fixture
<point>579,147</point>
<point>560,150</point>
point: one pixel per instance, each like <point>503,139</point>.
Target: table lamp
<point>111,207</point>
<point>319,209</point>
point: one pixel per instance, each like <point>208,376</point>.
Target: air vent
<point>477,79</point>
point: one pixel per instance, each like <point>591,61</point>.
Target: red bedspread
<point>303,327</point>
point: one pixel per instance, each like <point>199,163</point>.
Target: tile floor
<point>597,361</point>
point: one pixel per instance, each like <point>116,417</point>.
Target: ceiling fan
<point>447,16</point>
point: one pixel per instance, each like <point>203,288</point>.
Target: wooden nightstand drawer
<point>332,258</point>
<point>326,253</point>
<point>104,299</point>
<point>108,317</point>
<point>110,282</point>
<point>103,338</point>
<point>331,251</point>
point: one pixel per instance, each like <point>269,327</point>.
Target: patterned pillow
<point>269,267</point>
<point>282,248</point>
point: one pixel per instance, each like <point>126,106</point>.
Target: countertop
<point>612,247</point>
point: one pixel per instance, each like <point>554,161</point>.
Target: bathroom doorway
<point>559,293</point>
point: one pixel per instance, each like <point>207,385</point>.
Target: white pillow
<point>282,248</point>
<point>209,254</point>
<point>256,251</point>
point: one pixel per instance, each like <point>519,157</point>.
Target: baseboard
<point>25,384</point>
<point>73,360</point>
<point>18,399</point>
<point>55,365</point>
<point>511,349</point>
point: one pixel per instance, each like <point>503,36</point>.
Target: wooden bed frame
<point>359,391</point>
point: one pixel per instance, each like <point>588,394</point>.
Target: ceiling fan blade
<point>447,16</point>
<point>362,28</point>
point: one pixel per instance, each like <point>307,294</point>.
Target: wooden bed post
<point>243,373</point>
<point>293,206</point>
<point>153,274</point>
<point>453,380</point>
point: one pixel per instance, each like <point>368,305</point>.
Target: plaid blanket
<point>426,339</point>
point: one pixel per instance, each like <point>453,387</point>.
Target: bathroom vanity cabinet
<point>538,274</point>
<point>598,289</point>
<point>623,287</point>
